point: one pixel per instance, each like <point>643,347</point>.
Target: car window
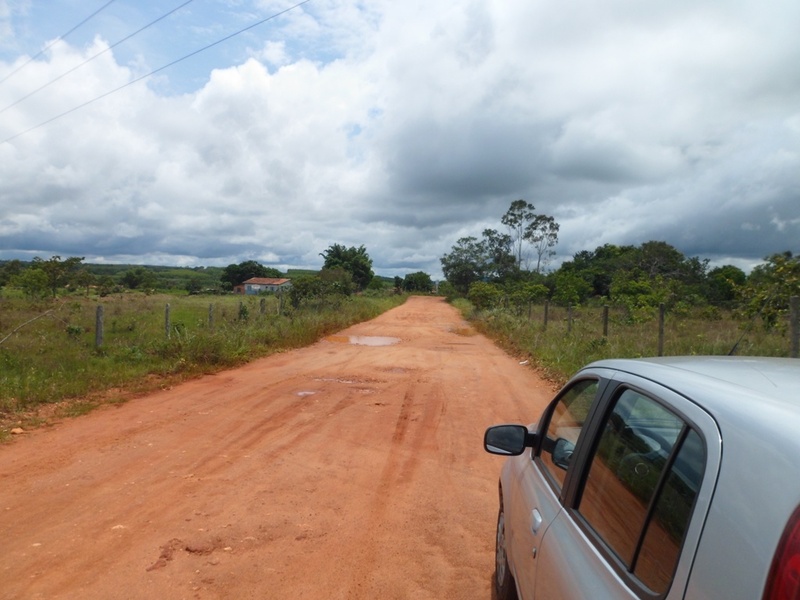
<point>566,421</point>
<point>641,485</point>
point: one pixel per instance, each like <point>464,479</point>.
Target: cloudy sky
<point>401,126</point>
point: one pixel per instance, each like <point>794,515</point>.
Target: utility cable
<point>153,72</point>
<point>53,43</point>
<point>91,58</point>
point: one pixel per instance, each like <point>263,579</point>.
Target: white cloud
<point>403,126</point>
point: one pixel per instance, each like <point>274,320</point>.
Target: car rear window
<point>641,485</point>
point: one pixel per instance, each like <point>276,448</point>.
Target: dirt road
<point>350,469</point>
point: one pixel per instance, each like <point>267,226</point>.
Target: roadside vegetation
<point>50,356</point>
<point>560,349</point>
<point>501,284</point>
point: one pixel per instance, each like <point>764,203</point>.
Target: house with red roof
<point>260,285</point>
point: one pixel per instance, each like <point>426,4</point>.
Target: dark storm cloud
<point>469,158</point>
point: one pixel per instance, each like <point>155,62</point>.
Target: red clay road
<point>338,471</point>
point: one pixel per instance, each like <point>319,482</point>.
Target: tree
<point>521,294</point>
<point>337,280</point>
<point>376,285</point>
<point>659,258</point>
<point>517,219</point>
<point>465,264</point>
<point>598,267</point>
<point>32,281</point>
<point>139,278</point>
<point>84,279</point>
<point>446,289</point>
<point>686,276</point>
<point>524,225</point>
<point>723,284</point>
<point>683,280</point>
<point>418,282</point>
<point>542,233</point>
<point>305,289</point>
<point>234,274</point>
<point>354,260</point>
<point>570,289</point>
<point>329,285</point>
<point>105,285</point>
<point>58,272</point>
<point>770,286</point>
<point>499,257</point>
<point>194,285</point>
<point>9,269</point>
<point>500,262</point>
<point>642,295</point>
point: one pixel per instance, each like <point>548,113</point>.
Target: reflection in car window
<point>641,485</point>
<point>565,424</point>
<point>661,545</point>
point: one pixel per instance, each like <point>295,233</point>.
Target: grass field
<point>48,350</point>
<point>560,349</point>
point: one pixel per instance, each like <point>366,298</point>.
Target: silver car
<point>655,478</point>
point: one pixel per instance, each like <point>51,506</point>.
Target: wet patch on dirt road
<point>363,340</point>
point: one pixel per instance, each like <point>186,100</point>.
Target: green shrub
<point>484,295</point>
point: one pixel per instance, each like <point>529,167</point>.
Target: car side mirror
<point>562,453</point>
<point>507,440</point>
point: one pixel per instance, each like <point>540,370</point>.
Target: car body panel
<point>530,492</point>
<point>747,412</point>
<point>534,502</point>
<point>756,404</point>
<point>591,572</point>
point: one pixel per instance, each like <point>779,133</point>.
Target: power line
<point>51,44</point>
<point>154,71</point>
<point>91,58</point>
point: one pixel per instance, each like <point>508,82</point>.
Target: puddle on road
<point>363,340</point>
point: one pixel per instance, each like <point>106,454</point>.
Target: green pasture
<point>49,350</point>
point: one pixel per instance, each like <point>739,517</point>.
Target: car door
<point>537,496</point>
<point>636,503</point>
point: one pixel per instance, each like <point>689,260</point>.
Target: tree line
<point>509,268</point>
<point>345,270</point>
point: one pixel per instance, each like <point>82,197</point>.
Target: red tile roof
<point>266,281</point>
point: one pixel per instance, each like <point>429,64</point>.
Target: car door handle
<point>536,521</point>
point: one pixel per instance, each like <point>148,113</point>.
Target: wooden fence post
<point>280,303</point>
<point>546,311</point>
<point>211,316</point>
<point>167,325</point>
<point>263,306</point>
<point>794,326</point>
<point>569,318</point>
<point>98,327</point>
<point>530,309</point>
<point>605,321</point>
<point>661,311</point>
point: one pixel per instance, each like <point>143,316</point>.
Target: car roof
<point>725,385</point>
